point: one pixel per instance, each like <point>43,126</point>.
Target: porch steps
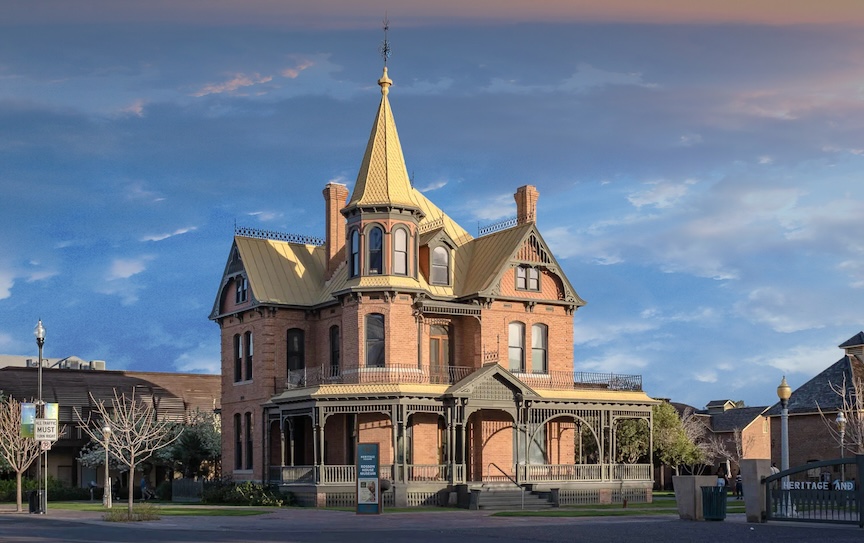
<point>510,499</point>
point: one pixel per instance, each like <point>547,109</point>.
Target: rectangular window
<point>375,341</point>
<point>238,443</point>
<point>521,283</point>
<point>527,278</point>
<point>248,440</point>
<point>539,333</point>
<point>248,342</point>
<point>516,350</point>
<point>334,351</point>
<point>533,279</point>
<point>242,284</point>
<point>238,358</point>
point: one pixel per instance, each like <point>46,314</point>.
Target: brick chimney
<point>526,204</point>
<point>335,197</point>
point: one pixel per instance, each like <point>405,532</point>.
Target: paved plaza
<point>308,525</point>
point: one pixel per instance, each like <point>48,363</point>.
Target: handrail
<point>512,480</point>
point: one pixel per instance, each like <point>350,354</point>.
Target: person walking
<point>739,486</point>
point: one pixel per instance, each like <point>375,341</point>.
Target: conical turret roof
<point>383,178</point>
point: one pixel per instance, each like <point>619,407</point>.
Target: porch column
<point>281,441</point>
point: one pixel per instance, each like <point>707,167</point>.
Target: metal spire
<point>384,49</point>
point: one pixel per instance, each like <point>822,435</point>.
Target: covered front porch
<point>488,428</point>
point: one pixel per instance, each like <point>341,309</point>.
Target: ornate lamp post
<point>106,495</point>
<point>39,332</point>
<point>841,426</point>
<point>784,392</point>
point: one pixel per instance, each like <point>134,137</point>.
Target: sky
<point>699,165</point>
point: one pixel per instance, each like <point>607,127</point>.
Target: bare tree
<point>852,406</point>
<point>19,452</point>
<point>136,432</point>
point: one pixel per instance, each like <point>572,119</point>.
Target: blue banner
<point>368,484</point>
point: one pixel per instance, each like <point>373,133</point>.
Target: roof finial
<point>384,49</point>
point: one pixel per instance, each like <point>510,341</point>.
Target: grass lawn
<point>169,509</point>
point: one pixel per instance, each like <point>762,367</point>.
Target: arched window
<point>249,440</point>
<point>334,351</point>
<point>376,238</point>
<point>248,344</point>
<point>354,262</point>
<point>296,356</point>
<point>440,274</point>
<point>400,252</point>
<point>375,340</point>
<point>516,346</point>
<point>539,342</point>
<point>238,443</point>
<point>238,358</point>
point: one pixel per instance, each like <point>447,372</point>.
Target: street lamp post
<point>42,501</point>
<point>841,425</point>
<point>106,494</point>
<point>784,392</point>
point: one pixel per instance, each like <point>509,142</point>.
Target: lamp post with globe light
<point>106,495</point>
<point>841,426</point>
<point>784,392</point>
<point>42,501</point>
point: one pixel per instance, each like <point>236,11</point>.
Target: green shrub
<point>245,493</point>
<point>164,491</point>
<point>57,490</point>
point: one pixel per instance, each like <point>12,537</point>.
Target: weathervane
<point>384,49</point>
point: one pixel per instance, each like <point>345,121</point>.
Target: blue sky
<point>699,170</point>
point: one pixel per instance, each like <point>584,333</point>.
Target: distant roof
<point>817,393</point>
<point>737,418</point>
<point>174,394</point>
<point>854,341</point>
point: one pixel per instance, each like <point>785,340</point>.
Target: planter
<point>688,494</point>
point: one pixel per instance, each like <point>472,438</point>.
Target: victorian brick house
<point>453,353</point>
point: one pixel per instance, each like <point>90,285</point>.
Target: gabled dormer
<point>235,294</point>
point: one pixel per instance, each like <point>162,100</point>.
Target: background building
<point>173,395</point>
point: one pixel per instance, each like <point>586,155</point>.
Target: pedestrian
<point>739,486</point>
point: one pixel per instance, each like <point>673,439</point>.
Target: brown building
<point>173,395</point>
<point>453,353</point>
<point>743,432</point>
<point>812,436</point>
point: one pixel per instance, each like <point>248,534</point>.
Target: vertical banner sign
<point>28,419</point>
<point>368,487</point>
<point>52,411</point>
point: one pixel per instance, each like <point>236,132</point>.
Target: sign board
<point>46,430</point>
<point>28,419</point>
<point>45,445</point>
<point>368,485</point>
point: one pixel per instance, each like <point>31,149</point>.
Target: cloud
<point>160,237</point>
<point>595,333</point>
<point>662,194</point>
<point>807,360</point>
<point>491,208</point>
<point>614,362</point>
<point>136,108</point>
<point>204,358</point>
<point>586,79</point>
<point>266,216</point>
<point>292,73</point>
<point>7,281</point>
<point>434,185</point>
<point>124,268</point>
<point>237,82</point>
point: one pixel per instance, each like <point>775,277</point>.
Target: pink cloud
<point>292,73</point>
<point>239,81</point>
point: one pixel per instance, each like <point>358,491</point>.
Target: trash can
<point>35,502</point>
<point>714,502</point>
